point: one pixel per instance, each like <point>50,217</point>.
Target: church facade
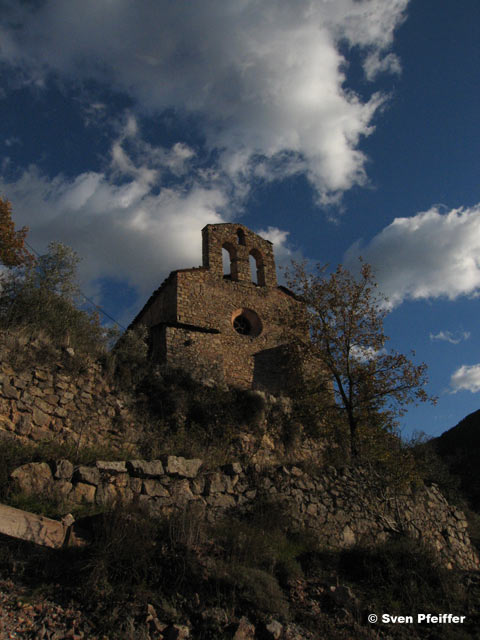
<point>224,324</point>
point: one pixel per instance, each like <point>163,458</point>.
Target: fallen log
<point>41,530</point>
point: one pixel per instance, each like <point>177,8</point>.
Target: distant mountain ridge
<point>459,447</point>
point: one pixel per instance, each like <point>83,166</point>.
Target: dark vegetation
<point>209,575</point>
<point>194,420</point>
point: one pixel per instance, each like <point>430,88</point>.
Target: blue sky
<point>335,128</point>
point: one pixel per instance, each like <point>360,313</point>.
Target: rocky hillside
<point>211,514</point>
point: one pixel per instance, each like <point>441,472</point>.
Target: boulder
<point>111,467</point>
<point>274,630</point>
<point>218,483</point>
<point>154,489</point>
<point>40,418</point>
<point>62,488</point>
<point>24,425</point>
<point>348,537</point>
<point>145,469</point>
<point>245,630</point>
<point>6,424</point>
<point>108,494</point>
<point>33,478</point>
<point>63,469</point>
<point>181,492</point>
<point>182,467</point>
<point>82,493</point>
<point>90,475</point>
<point>8,391</point>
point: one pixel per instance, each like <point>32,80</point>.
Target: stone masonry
<point>224,326</point>
<point>341,507</point>
<point>49,403</point>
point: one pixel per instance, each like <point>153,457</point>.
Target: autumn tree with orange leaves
<point>13,252</point>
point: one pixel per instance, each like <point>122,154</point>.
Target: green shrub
<point>12,455</point>
<point>47,504</point>
<point>261,541</point>
<point>41,299</point>
<point>186,528</point>
<point>260,590</point>
<point>184,417</point>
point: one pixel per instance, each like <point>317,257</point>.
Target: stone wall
<point>45,403</point>
<point>340,507</point>
<point>50,403</point>
<point>184,345</point>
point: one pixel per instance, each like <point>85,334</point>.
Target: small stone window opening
<point>241,237</point>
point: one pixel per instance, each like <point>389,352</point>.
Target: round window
<point>242,325</point>
<point>246,322</point>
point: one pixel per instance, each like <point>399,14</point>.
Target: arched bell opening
<point>229,255</point>
<point>257,267</point>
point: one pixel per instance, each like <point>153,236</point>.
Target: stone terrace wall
<point>46,403</point>
<point>341,508</point>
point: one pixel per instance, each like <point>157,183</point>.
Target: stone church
<point>223,323</point>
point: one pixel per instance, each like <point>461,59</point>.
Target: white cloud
<point>122,222</point>
<point>454,337</point>
<point>375,64</point>
<point>284,252</point>
<point>266,77</point>
<point>466,378</point>
<point>429,255</point>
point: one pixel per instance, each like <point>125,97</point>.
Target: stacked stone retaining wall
<point>341,508</point>
<point>50,403</point>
